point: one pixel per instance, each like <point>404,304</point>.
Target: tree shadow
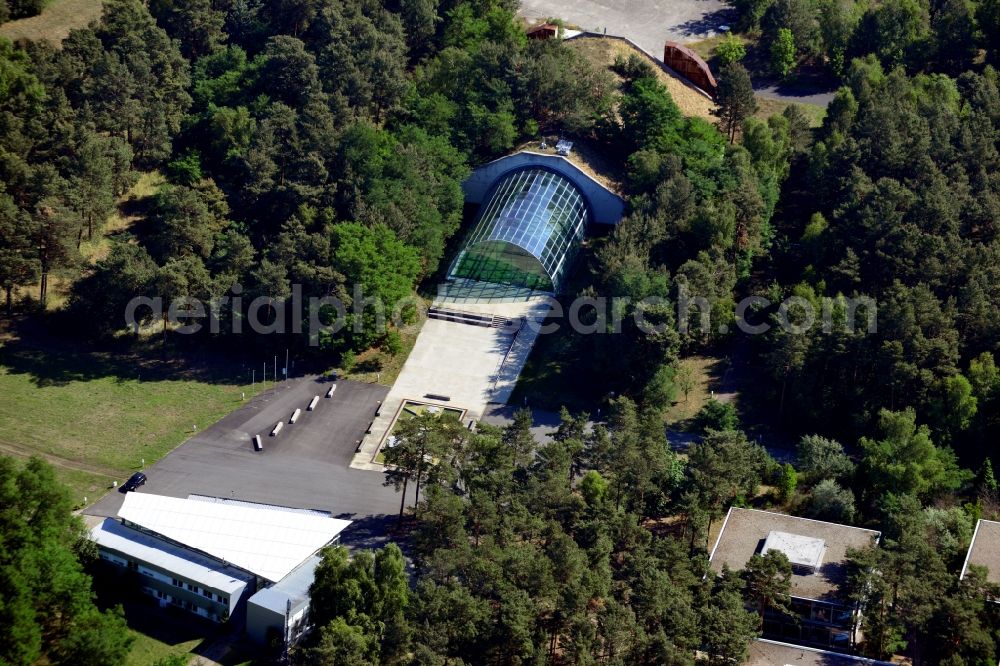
<point>707,23</point>
<point>372,364</point>
<point>721,376</point>
<point>50,359</point>
<point>369,532</point>
<point>140,211</point>
<point>143,614</point>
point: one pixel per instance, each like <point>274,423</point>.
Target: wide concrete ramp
<point>472,365</point>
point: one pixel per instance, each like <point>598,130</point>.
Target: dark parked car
<point>134,481</point>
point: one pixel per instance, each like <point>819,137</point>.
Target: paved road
<point>648,23</point>
<point>545,423</point>
<point>305,466</point>
<point>797,94</point>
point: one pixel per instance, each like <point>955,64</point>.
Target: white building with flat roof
<point>173,574</point>
<point>265,540</point>
<point>805,554</point>
<point>282,610</point>
<point>209,555</point>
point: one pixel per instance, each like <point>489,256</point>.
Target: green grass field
<point>147,650</point>
<point>95,414</point>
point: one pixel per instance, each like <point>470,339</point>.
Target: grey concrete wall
<point>606,207</point>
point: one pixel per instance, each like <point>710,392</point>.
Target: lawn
<point>767,107</point>
<point>148,650</point>
<point>55,21</point>
<point>704,372</point>
<point>96,413</point>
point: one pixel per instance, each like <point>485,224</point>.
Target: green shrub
<point>348,360</point>
<point>783,53</point>
<point>392,344</point>
<point>730,50</point>
<point>717,415</point>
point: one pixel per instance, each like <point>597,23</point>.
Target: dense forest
<point>919,35</point>
<point>591,549</point>
<point>47,603</point>
<point>322,143</point>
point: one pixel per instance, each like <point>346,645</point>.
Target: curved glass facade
<point>527,233</point>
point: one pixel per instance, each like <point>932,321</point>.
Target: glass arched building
<point>527,233</point>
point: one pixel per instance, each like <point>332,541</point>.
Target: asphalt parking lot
<point>648,23</point>
<point>304,466</point>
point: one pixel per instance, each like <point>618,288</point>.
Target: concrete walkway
<point>470,365</point>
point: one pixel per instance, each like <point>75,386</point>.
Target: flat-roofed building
<point>173,574</point>
<point>765,652</point>
<point>282,610</point>
<point>984,551</point>
<point>209,555</point>
<point>265,540</point>
<point>817,551</point>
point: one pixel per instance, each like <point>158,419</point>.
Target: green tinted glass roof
<point>527,233</point>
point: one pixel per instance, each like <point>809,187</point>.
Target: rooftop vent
<point>805,553</point>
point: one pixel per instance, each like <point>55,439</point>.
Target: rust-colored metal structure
<point>543,31</point>
<point>689,64</point>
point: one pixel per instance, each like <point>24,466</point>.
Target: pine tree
<point>768,581</point>
<point>735,99</point>
<point>18,263</point>
<point>986,482</point>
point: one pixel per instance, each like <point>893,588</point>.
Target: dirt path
<point>21,451</point>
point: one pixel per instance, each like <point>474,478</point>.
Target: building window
<point>192,588</point>
<point>132,565</point>
<point>206,593</point>
<point>178,583</point>
<point>223,599</point>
